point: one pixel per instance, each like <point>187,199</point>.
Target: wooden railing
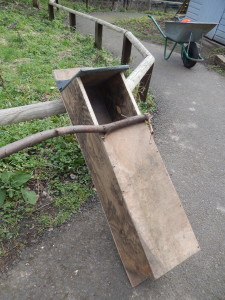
<point>140,76</point>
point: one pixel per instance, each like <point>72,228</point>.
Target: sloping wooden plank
<point>101,170</point>
<point>143,210</point>
<point>153,204</point>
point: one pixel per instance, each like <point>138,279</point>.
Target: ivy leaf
<point>29,196</point>
<point>2,197</point>
<point>5,176</point>
<point>20,178</point>
<point>11,193</point>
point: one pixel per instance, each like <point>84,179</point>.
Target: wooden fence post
<point>51,12</point>
<point>72,20</point>
<point>57,2</point>
<point>98,35</point>
<point>36,4</point>
<point>144,85</point>
<point>126,51</point>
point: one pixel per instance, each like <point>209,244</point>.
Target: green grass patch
<point>144,28</point>
<point>216,68</point>
<point>210,59</point>
<point>31,47</point>
<point>79,6</point>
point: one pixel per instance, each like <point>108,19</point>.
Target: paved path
<point>79,261</point>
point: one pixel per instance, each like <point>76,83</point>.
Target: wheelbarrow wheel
<point>192,52</point>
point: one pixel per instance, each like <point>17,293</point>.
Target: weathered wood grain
<point>31,112</point>
<point>51,12</point>
<point>100,21</point>
<point>36,3</point>
<point>72,20</point>
<point>152,202</point>
<point>98,35</point>
<point>92,145</point>
<point>126,51</point>
<point>144,85</point>
<point>137,44</point>
<point>134,78</point>
<point>145,215</point>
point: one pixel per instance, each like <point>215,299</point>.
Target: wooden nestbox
<point>146,218</point>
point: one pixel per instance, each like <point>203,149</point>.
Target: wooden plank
<point>150,197</point>
<point>123,232</point>
<point>144,85</point>
<point>100,90</point>
<point>57,2</point>
<point>137,44</point>
<point>66,74</point>
<point>72,21</point>
<point>122,103</point>
<point>102,22</point>
<point>126,51</point>
<point>76,106</point>
<point>29,112</point>
<point>145,215</point>
<point>36,3</point>
<point>135,77</point>
<point>51,12</point>
<point>98,35</point>
<point>46,109</point>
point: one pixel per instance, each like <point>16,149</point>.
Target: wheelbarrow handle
<point>157,25</point>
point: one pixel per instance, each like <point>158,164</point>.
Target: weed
<point>147,106</point>
<point>12,188</point>
<point>218,69</point>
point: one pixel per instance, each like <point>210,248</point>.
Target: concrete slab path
<point>79,260</point>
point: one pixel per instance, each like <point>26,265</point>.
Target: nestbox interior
<point>109,98</point>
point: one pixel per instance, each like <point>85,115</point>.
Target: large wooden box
<point>149,226</point>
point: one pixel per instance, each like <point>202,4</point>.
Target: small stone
<point>72,176</point>
<point>220,60</point>
<point>44,193</point>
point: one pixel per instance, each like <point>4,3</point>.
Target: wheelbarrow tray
<point>187,32</point>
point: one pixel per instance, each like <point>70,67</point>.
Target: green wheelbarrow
<point>186,34</point>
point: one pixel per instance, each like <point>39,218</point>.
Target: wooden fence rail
<point>140,76</point>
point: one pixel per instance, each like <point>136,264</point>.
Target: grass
<point>79,6</point>
<point>210,59</point>
<point>31,47</point>
<point>144,28</point>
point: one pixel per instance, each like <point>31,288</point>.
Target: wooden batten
<point>149,226</point>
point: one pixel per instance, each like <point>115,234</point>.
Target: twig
<point>47,134</point>
<point>41,207</point>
